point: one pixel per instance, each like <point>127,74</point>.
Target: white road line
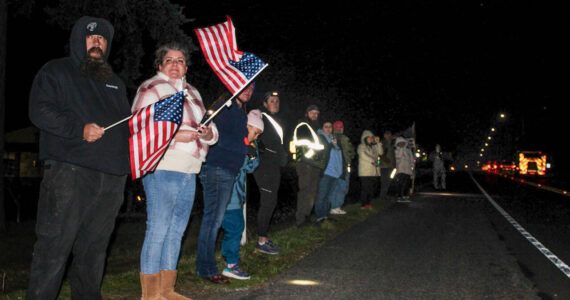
<point>538,245</point>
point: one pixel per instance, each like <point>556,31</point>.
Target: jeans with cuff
<point>169,201</point>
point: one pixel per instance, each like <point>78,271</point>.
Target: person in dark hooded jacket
<point>85,167</point>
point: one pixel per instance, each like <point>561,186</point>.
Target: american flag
<point>152,127</point>
<point>235,68</point>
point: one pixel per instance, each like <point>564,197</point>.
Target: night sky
<point>449,66</point>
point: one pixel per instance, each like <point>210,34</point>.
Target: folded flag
<point>235,68</point>
<point>152,127</point>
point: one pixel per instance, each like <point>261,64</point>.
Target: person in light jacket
<point>404,169</point>
<point>369,150</point>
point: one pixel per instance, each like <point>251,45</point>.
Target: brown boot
<point>167,281</point>
<point>150,285</point>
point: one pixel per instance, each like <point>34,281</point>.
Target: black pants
<point>76,214</point>
<point>267,176</point>
<point>385,181</point>
<point>368,186</point>
<point>309,177</point>
<point>404,182</point>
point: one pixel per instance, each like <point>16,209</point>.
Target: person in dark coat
<point>85,167</point>
<point>311,160</point>
<point>268,174</point>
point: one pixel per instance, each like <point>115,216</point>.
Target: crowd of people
<point>86,169</point>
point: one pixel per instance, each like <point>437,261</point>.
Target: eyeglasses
<point>171,61</point>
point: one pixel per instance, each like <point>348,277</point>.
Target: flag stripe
<point>221,39</point>
<point>218,43</point>
<point>219,62</point>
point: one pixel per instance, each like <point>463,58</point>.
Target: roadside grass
<point>121,279</point>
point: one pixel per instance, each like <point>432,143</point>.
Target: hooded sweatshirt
<point>63,100</point>
<point>368,156</point>
<point>404,158</point>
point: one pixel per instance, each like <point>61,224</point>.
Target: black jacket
<point>62,101</point>
<point>271,150</point>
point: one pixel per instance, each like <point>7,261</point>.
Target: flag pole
<point>229,101</point>
<point>116,123</point>
<point>125,119</point>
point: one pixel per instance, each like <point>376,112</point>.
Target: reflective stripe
<point>312,145</point>
<point>275,125</point>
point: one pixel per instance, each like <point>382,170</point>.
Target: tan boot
<point>167,282</point>
<point>150,285</point>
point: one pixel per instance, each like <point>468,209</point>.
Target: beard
<point>315,124</point>
<point>96,67</point>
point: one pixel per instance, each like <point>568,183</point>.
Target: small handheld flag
<point>152,127</point>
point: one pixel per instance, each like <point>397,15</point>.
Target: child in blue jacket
<point>233,223</point>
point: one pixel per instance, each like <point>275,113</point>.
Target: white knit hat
<point>254,119</point>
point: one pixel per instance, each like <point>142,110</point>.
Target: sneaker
<point>337,211</point>
<point>235,272</point>
<point>268,248</point>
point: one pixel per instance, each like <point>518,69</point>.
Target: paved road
<point>437,247</point>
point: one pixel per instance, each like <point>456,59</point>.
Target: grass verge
<point>121,280</point>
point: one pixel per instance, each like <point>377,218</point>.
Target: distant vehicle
<point>490,167</point>
<point>532,163</point>
<point>507,167</point>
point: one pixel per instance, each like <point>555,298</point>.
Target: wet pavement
<point>442,245</point>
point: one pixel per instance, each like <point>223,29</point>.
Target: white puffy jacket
<point>368,156</point>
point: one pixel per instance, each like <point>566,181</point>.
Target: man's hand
<point>92,132</point>
<point>186,136</point>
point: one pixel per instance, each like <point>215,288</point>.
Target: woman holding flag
<point>170,189</point>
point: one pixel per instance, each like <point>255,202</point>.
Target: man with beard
<point>85,167</point>
<point>311,161</point>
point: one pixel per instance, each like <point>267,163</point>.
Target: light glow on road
<point>303,282</point>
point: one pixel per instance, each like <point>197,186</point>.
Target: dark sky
<point>450,66</point>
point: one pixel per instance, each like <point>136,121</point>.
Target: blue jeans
<point>169,196</point>
<point>324,195</point>
<point>340,191</point>
<point>233,225</point>
<point>217,184</point>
